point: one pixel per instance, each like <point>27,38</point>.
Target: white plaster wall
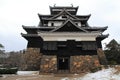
<point>69,36</point>
<point>56,23</point>
<point>49,23</point>
<point>79,23</point>
<point>60,17</point>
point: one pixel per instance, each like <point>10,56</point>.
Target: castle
<point>65,41</point>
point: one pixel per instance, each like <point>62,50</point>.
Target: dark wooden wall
<point>69,48</point>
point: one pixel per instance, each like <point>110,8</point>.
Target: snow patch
<point>105,74</point>
<point>27,72</point>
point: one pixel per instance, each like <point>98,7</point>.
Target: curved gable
<point>69,26</point>
<point>64,12</point>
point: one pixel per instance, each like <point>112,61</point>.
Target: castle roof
<point>56,9</point>
<point>68,19</point>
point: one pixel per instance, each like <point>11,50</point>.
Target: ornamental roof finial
<point>54,5</point>
<point>72,5</point>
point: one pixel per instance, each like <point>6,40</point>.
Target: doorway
<point>63,63</point>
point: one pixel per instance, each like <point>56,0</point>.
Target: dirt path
<point>40,77</point>
<point>30,77</point>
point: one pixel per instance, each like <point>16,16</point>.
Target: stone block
<point>48,64</point>
<point>31,59</point>
<point>83,63</point>
<point>102,57</point>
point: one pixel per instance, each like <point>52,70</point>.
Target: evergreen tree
<point>112,52</point>
<point>1,47</point>
<point>2,53</point>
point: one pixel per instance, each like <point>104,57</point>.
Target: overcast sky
<point>15,13</point>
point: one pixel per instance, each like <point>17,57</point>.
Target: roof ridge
<point>64,10</point>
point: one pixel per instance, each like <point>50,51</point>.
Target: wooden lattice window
<point>89,45</point>
<point>50,45</point>
<point>52,24</point>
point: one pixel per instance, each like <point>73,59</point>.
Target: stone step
<point>63,75</point>
<point>63,71</point>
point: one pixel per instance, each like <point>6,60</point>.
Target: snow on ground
<point>27,72</point>
<point>105,74</point>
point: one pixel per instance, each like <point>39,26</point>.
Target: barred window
<point>50,45</point>
<point>89,45</point>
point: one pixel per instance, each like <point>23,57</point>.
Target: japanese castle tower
<point>65,41</point>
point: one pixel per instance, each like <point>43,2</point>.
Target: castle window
<point>64,16</point>
<point>52,24</point>
<point>83,25</point>
<point>50,45</point>
<point>89,45</point>
<point>45,24</point>
<point>76,24</point>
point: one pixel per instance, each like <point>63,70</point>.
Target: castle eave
<point>102,37</point>
<point>34,29</point>
<point>100,29</point>
<point>86,17</point>
<point>33,37</point>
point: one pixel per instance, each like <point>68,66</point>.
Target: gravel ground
<point>40,77</point>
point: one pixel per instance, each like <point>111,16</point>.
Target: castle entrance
<point>63,63</point>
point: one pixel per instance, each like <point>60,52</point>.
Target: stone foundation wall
<point>31,59</point>
<point>34,60</point>
<point>85,63</point>
<point>48,64</point>
<point>101,56</point>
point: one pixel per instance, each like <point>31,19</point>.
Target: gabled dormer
<point>64,14</point>
<point>69,26</point>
